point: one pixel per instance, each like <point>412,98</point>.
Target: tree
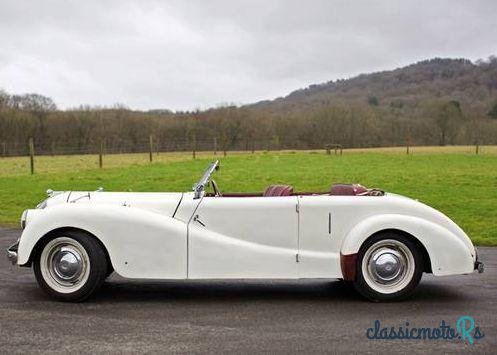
<point>38,106</point>
<point>373,101</point>
<point>33,102</point>
<point>447,116</point>
<point>4,99</point>
<point>493,111</point>
<point>396,104</point>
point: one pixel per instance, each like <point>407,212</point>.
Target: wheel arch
<point>421,247</point>
<point>51,234</point>
<point>348,262</point>
<point>447,252</point>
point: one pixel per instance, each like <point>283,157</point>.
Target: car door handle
<point>196,219</point>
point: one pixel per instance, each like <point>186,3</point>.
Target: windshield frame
<point>199,187</point>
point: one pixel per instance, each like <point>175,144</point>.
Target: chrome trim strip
<point>177,206</point>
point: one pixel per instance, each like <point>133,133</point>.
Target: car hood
<point>164,203</point>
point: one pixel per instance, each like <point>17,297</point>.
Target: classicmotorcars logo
<point>465,330</point>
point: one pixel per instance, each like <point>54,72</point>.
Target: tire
<point>109,272</point>
<point>389,267</point>
<point>70,266</point>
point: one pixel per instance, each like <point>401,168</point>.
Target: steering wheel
<point>217,193</point>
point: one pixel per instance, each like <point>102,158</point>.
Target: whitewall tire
<point>389,267</point>
<point>70,265</point>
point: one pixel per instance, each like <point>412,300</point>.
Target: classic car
<point>378,241</point>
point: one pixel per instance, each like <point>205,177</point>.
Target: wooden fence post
<point>194,147</point>
<point>4,149</point>
<point>151,146</point>
<point>32,155</point>
<point>477,150</point>
<point>100,154</point>
<point>215,145</point>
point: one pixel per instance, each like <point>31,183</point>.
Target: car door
<point>243,237</point>
<point>320,235</point>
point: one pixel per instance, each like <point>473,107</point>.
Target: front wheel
<point>389,267</point>
<point>70,266</point>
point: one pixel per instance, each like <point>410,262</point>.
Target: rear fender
<point>448,253</point>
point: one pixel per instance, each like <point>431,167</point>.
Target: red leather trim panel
<point>347,189</point>
<point>349,266</point>
<point>278,190</point>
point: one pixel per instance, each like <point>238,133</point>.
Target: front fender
<point>449,254</point>
<point>140,243</point>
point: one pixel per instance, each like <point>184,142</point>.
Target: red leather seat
<point>278,190</point>
<point>347,189</point>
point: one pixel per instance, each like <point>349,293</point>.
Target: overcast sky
<point>198,54</point>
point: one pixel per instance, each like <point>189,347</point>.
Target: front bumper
<point>12,253</point>
<point>478,264</point>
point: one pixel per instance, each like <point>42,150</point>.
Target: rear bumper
<point>12,253</point>
<point>478,264</point>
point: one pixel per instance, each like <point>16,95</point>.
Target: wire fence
<point>154,146</point>
<point>115,146</point>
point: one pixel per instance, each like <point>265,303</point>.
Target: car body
<point>275,235</point>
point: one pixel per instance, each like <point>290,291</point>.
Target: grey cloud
<point>189,54</point>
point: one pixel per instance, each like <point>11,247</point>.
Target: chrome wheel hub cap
<point>388,266</point>
<point>65,264</point>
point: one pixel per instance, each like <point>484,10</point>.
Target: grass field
<point>453,179</point>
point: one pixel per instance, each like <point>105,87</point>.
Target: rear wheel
<point>70,266</point>
<point>389,267</point>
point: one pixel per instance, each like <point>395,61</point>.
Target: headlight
<point>23,219</point>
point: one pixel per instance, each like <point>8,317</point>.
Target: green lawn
<point>459,183</point>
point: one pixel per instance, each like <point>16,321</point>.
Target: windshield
<point>204,181</point>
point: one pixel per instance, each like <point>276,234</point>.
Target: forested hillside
<point>433,102</point>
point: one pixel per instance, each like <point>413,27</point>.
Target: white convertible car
<point>381,242</point>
